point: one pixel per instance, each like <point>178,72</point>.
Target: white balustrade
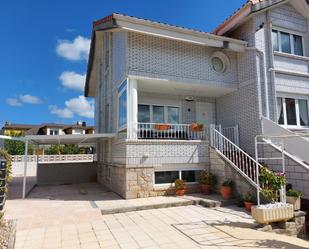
<point>169,132</point>
<point>56,158</point>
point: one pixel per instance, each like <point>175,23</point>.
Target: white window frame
<point>291,33</point>
<point>53,131</point>
<point>165,111</point>
<point>172,184</point>
<point>296,98</point>
<point>122,90</point>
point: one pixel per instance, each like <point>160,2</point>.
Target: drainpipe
<point>271,64</point>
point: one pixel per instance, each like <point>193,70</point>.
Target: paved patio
<point>66,217</point>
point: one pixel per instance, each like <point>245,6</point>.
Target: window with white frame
<point>287,43</point>
<point>169,177</point>
<point>293,111</point>
<point>122,106</point>
<point>158,114</point>
<point>53,131</point>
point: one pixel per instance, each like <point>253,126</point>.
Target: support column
<point>133,108</point>
<point>25,169</point>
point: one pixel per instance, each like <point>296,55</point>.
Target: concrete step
<point>123,206</point>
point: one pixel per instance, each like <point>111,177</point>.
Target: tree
<point>17,147</point>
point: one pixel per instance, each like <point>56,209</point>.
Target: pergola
<point>79,139</point>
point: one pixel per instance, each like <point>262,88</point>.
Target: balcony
<point>171,131</point>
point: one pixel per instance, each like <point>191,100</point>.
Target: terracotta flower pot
<point>162,127</point>
<point>206,189</point>
<point>226,192</point>
<point>180,192</point>
<point>248,206</point>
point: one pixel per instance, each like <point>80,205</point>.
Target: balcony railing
<point>170,132</point>
<point>55,158</point>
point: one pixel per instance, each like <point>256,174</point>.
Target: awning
<point>68,139</point>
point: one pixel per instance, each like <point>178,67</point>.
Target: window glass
<point>285,42</point>
<point>280,111</point>
<point>144,113</point>
<point>303,112</point>
<point>173,115</point>
<point>158,114</point>
<point>275,40</point>
<point>162,177</point>
<point>217,64</point>
<point>190,175</point>
<point>298,45</point>
<point>123,109</point>
<point>290,111</point>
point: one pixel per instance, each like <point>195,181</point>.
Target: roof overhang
<point>121,23</point>
<point>68,139</point>
<point>256,6</point>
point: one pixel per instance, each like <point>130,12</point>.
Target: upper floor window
<point>287,43</point>
<point>122,105</point>
<point>53,132</point>
<point>158,114</point>
<point>293,111</point>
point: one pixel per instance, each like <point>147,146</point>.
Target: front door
<point>204,113</point>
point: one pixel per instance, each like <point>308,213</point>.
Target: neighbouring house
<point>160,88</point>
<point>47,129</point>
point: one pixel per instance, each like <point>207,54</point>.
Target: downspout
<point>271,65</point>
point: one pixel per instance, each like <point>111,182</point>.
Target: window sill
<point>292,56</point>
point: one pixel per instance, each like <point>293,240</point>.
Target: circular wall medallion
<point>220,62</point>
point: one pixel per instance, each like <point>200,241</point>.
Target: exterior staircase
<point>237,158</point>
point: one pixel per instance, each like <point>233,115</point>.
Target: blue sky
<point>44,46</point>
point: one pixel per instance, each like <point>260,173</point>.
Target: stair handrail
<point>220,142</point>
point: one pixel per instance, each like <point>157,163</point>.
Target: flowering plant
<point>271,183</point>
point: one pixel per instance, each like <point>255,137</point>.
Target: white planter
<point>265,214</point>
<point>295,201</point>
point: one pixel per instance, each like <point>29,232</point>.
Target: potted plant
<point>207,181</point>
<point>196,127</point>
<point>226,189</point>
<point>162,127</point>
<point>293,197</point>
<point>180,186</point>
<point>248,201</point>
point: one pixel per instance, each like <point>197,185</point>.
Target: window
<point>275,40</point>
<point>172,115</point>
<point>298,45</point>
<point>190,175</point>
<point>165,177</point>
<point>53,132</point>
<point>303,112</point>
<point>293,111</point>
<point>158,114</point>
<point>169,177</point>
<point>287,43</point>
<point>280,111</point>
<point>144,113</point>
<point>122,108</point>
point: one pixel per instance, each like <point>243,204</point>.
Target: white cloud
<point>77,106</point>
<point>29,99</point>
<point>23,99</point>
<point>13,102</point>
<point>73,80</point>
<point>62,113</point>
<point>75,50</point>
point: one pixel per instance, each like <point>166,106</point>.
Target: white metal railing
<point>246,165</point>
<point>170,131</point>
<point>232,133</point>
<point>55,158</point>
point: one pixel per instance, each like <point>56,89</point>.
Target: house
<point>153,83</point>
<point>47,129</point>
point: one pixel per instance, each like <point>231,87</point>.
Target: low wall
<point>66,173</point>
